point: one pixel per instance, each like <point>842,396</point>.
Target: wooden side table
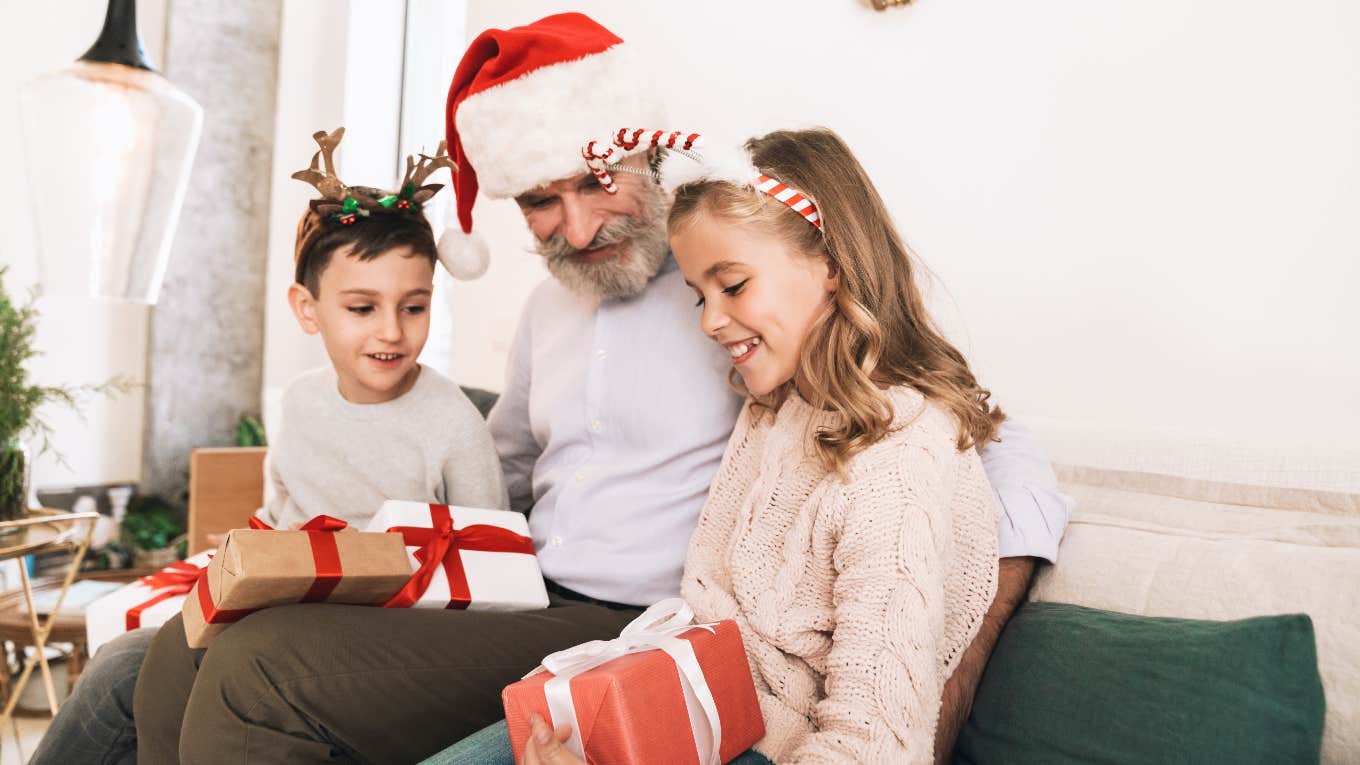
<point>43,531</point>
<point>66,627</point>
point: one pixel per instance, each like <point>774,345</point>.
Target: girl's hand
<point>545,746</point>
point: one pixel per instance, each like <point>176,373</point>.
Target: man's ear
<point>304,308</point>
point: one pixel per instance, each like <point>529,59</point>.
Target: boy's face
<point>373,317</point>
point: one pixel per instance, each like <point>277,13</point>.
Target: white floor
<point>31,731</point>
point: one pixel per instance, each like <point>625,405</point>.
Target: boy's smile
<point>373,316</point>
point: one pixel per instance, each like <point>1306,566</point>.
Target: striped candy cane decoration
<point>791,197</point>
<point>597,155</point>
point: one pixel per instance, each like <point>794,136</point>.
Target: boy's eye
<point>362,310</point>
<point>415,309</point>
<point>700,303</point>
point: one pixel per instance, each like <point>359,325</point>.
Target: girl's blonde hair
<point>876,333</point>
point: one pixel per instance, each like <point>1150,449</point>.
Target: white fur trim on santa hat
<point>466,256</point>
<point>528,132</point>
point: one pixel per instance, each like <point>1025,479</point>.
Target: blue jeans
<point>94,726</point>
<point>491,746</point>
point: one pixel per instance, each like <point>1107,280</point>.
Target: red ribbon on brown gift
<point>325,555</point>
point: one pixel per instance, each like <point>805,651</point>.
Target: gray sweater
<point>342,459</point>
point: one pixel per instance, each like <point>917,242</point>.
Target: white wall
<point>1145,214</point>
<point>83,340</point>
<point>339,64</point>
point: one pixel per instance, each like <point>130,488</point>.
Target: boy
<point>374,425</point>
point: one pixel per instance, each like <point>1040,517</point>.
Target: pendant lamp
<point>108,145</point>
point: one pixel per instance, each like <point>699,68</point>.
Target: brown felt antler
<point>418,171</point>
<point>330,186</point>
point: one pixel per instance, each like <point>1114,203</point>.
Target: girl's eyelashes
<point>734,290</point>
<point>415,309</point>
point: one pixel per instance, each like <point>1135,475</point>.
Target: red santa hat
<point>522,103</point>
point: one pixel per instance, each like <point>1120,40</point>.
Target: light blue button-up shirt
<point>614,420</point>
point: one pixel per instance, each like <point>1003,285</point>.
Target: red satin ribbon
<point>175,579</point>
<point>325,555</point>
<point>440,546</point>
<point>211,613</point>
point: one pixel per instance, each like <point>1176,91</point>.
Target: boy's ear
<point>304,308</point>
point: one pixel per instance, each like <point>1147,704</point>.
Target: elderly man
<point>612,425</point>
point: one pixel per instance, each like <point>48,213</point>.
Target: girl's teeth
<point>755,341</point>
<point>740,350</point>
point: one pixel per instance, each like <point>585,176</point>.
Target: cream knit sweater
<point>855,599</point>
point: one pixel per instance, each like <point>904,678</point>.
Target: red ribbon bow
<point>440,546</point>
<point>175,579</point>
<point>325,554</point>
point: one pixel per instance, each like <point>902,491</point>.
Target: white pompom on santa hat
<point>522,104</point>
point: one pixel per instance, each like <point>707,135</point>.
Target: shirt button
<point>595,425</point>
<point>557,541</point>
<point>580,477</point>
<point>600,353</point>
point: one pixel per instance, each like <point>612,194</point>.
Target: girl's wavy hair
<point>876,332</point>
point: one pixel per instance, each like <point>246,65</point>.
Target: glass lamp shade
<point>108,148</point>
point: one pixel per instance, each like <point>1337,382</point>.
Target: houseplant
<point>153,529</point>
<point>20,401</point>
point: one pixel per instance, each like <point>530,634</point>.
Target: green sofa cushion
<point>1068,684</point>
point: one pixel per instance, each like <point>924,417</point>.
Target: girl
<point>850,531</point>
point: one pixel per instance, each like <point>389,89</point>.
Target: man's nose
<point>580,223</point>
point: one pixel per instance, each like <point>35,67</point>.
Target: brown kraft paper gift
<point>258,568</point>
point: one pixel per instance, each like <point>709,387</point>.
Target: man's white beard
<point>643,248</point>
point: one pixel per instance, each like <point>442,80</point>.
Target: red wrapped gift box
<point>649,696</point>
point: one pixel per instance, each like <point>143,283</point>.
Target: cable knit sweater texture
<point>855,598</point>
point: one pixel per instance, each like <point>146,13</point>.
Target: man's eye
<point>362,310</point>
<point>735,288</point>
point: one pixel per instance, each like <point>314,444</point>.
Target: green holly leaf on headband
<point>408,190</point>
<point>388,200</point>
<point>350,206</point>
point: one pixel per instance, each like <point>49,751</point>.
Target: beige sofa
<point>1183,526</point>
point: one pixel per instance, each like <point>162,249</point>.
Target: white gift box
<point>496,579</point>
<point>108,617</point>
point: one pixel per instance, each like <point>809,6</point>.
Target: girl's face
<point>759,296</point>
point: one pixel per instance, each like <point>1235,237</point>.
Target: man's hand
<point>545,746</point>
<point>1012,583</point>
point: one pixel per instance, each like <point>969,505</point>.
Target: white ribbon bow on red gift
<point>657,627</point>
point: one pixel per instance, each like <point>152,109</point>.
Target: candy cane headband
<point>735,167</point>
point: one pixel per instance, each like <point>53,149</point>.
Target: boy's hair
<point>318,239</point>
<point>877,331</point>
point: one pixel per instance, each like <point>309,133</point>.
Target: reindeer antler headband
<point>344,204</point>
<point>723,163</point>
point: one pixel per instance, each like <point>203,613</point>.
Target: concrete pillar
<point>207,331</point>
